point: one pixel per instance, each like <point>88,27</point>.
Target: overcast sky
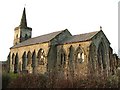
<point>46,16</point>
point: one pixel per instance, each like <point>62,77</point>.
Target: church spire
<point>22,32</point>
<point>23,23</point>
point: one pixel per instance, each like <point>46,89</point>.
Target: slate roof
<point>39,39</point>
<point>50,36</point>
<point>80,37</point>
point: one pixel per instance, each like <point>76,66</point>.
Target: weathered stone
<point>77,55</point>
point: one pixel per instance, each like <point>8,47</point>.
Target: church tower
<point>22,32</point>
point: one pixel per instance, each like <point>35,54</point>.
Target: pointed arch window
<point>26,36</point>
<point>101,55</point>
<point>13,58</point>
<point>62,57</point>
<point>92,56</point>
<point>16,63</point>
<point>71,54</point>
<point>79,55</point>
<point>29,57</point>
<point>63,60</point>
<point>34,59</point>
<point>41,57</point>
<point>24,61</point>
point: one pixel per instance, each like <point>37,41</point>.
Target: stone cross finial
<point>100,27</point>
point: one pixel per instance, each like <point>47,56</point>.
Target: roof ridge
<point>81,37</point>
<point>87,33</point>
<point>47,34</point>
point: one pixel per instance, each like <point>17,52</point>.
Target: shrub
<point>58,80</point>
<point>29,81</point>
<point>7,78</point>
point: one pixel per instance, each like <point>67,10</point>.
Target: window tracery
<point>79,55</point>
<point>41,57</point>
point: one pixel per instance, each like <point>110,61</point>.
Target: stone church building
<point>58,50</point>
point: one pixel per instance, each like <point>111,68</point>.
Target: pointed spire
<point>23,22</point>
